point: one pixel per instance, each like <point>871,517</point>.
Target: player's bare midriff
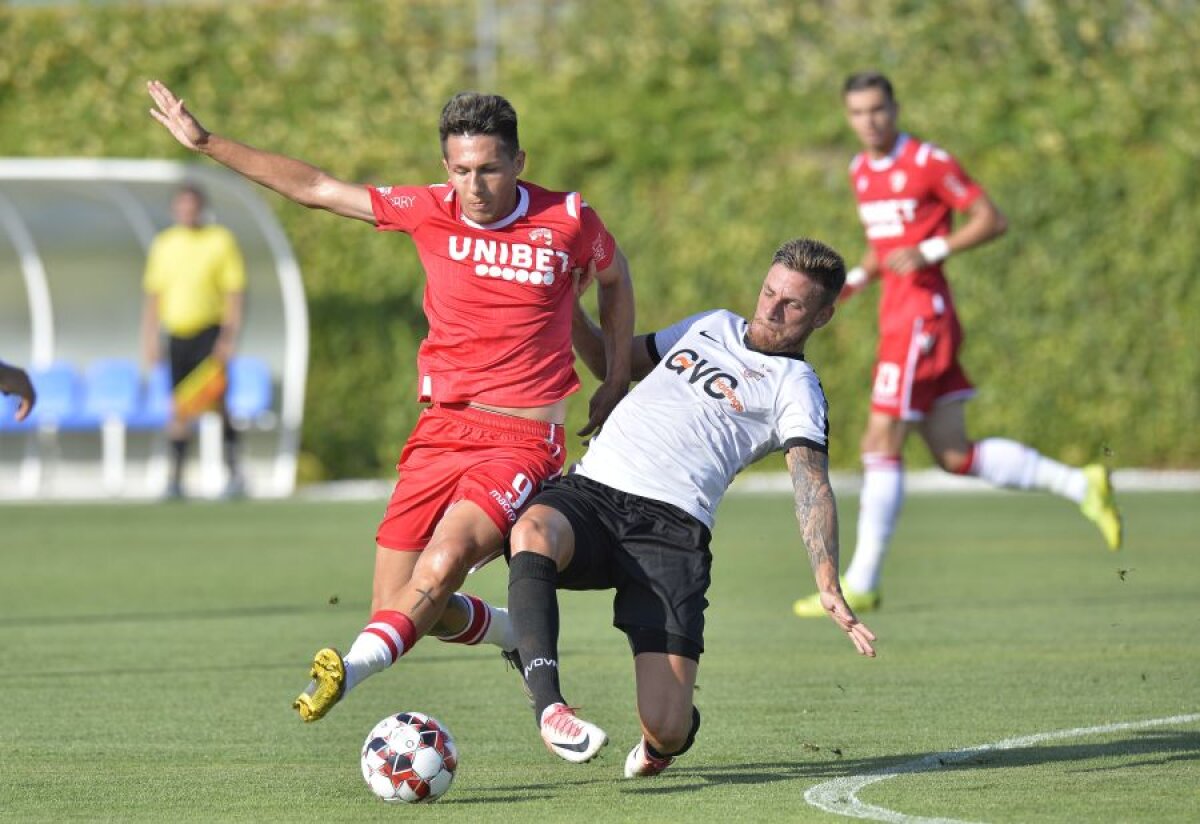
<point>552,413</point>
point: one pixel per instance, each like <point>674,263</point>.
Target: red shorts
<point>459,453</point>
<point>919,368</point>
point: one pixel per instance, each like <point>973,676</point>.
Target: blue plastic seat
<point>59,398</point>
<point>8,415</point>
<point>250,389</point>
<point>111,388</point>
<point>154,401</point>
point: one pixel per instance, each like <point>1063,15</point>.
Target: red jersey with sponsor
<point>498,297</point>
<point>905,198</point>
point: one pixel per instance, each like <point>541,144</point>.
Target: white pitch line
<point>839,796</point>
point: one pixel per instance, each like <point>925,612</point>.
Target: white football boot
<point>570,737</point>
<point>641,764</point>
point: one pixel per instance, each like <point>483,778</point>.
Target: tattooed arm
<point>816,513</point>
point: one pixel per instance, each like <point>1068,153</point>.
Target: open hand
<point>603,401</point>
<point>844,617</point>
<point>171,112</point>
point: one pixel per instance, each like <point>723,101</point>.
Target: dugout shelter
<point>74,233</point>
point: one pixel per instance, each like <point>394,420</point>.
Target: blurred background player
<point>15,381</point>
<point>195,284</point>
<point>496,367</point>
<point>716,394</point>
<point>907,192</point>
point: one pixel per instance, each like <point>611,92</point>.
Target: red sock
<point>395,629</point>
<point>479,620</point>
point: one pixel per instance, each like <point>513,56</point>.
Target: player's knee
<point>443,567</point>
<point>533,533</point>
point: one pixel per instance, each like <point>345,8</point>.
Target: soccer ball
<point>409,757</point>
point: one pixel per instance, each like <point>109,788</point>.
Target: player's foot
<point>860,602</point>
<point>327,687</point>
<point>570,737</point>
<point>641,764</point>
<point>174,491</point>
<point>512,657</point>
<point>1099,507</point>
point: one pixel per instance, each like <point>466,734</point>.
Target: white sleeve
<point>662,340</point>
<point>802,416</point>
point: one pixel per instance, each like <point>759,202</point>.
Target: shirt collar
<point>516,214</point>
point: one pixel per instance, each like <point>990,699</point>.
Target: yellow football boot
<point>327,687</point>
<point>1099,507</point>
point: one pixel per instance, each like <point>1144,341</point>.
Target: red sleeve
<point>950,183</point>
<point>399,208</point>
<point>594,241</point>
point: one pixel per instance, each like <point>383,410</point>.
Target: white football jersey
<point>711,407</point>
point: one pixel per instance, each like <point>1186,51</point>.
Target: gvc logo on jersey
<point>717,384</point>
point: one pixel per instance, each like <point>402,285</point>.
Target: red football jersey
<point>498,298</point>
<point>905,198</point>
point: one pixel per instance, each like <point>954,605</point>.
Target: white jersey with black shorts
<point>643,499</point>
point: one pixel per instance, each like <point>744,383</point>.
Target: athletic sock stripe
<point>880,461</point>
<point>479,619</point>
<point>389,637</point>
<point>395,628</point>
<point>479,626</point>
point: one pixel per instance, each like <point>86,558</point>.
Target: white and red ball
<point>409,757</point>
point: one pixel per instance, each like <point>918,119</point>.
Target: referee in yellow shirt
<point>194,283</point>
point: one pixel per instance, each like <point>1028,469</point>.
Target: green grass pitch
<point>150,655</point>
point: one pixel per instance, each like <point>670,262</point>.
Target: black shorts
<point>187,353</point>
<point>656,556</point>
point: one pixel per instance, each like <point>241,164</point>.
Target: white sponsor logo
<point>402,201</point>
<point>955,186</point>
<point>512,500</point>
<point>886,218</point>
<point>539,662</point>
<point>518,262</point>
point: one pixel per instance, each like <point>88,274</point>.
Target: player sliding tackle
<point>497,366</point>
<point>717,393</point>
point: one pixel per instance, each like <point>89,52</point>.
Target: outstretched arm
<point>616,331</point>
<point>816,512</point>
<point>292,178</point>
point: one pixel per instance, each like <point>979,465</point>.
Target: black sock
<point>178,451</point>
<point>229,447</point>
<point>533,609</point>
<point>687,745</point>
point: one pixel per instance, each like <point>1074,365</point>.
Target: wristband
<point>934,250</point>
<point>856,277</point>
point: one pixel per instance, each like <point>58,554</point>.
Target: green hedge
<point>705,132</point>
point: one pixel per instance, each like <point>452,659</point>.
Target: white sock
<point>500,633</point>
<point>1013,465</point>
<point>878,510</point>
<point>382,641</point>
<point>368,655</point>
